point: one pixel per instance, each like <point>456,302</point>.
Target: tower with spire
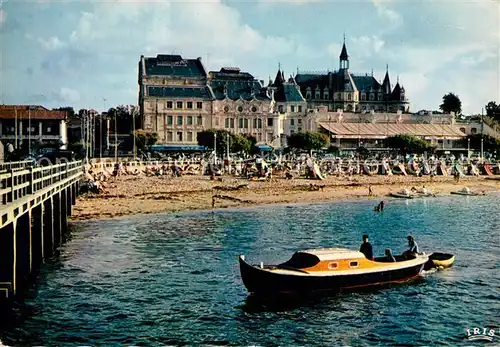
<point>344,58</point>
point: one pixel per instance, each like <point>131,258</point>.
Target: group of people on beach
<point>367,250</point>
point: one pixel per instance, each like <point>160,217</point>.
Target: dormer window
<point>317,94</point>
<point>363,97</point>
<point>339,96</point>
<point>280,108</point>
<point>308,93</point>
<point>325,94</point>
<point>349,96</point>
<point>372,96</point>
<point>379,96</point>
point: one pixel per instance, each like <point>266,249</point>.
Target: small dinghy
<point>466,191</point>
<point>439,260</point>
<point>402,194</point>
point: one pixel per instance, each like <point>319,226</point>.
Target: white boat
<point>466,191</point>
<point>403,194</point>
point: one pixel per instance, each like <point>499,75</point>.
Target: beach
<point>132,195</point>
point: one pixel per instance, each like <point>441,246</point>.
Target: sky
<point>85,53</point>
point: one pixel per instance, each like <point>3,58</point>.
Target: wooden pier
<point>36,202</point>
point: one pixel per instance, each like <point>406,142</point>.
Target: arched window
<point>349,96</point>
<point>462,130</point>
<point>473,130</point>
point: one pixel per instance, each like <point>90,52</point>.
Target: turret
<point>344,58</point>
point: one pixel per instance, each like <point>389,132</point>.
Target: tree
<point>69,109</point>
<point>237,143</point>
<point>144,139</point>
<point>408,144</point>
<point>451,103</point>
<point>308,140</point>
<point>490,144</point>
<point>493,110</point>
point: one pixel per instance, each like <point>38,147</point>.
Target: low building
<point>351,130</point>
<point>23,125</point>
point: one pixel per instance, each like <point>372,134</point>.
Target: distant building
<point>349,92</point>
<point>243,105</point>
<point>22,124</point>
<point>175,100</point>
<point>290,104</point>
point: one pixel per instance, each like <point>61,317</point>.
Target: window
<point>325,95</point>
<point>292,122</point>
<point>353,264</point>
<point>269,122</point>
<point>280,108</point>
<point>189,120</point>
<point>254,123</point>
<point>363,97</point>
<point>199,105</point>
<point>240,123</point>
<point>349,96</point>
<point>254,109</point>
<point>231,122</point>
<point>292,132</point>
<point>299,121</point>
<point>190,104</point>
<point>226,109</point>
<point>372,96</point>
<point>299,130</point>
<point>245,123</point>
<point>333,266</point>
<point>170,120</point>
<point>179,120</point>
<point>169,104</point>
<point>49,129</point>
<point>308,95</point>
<point>300,108</point>
<point>339,96</point>
<point>200,121</point>
<point>226,123</point>
<point>190,136</point>
<point>179,136</point>
<point>259,123</point>
<point>380,97</point>
<point>462,130</point>
<point>292,108</point>
<point>169,136</point>
<point>240,108</point>
<point>473,130</point>
<point>178,104</point>
<point>317,95</point>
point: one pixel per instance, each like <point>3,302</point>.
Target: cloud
<point>366,46</point>
<point>3,17</point>
<point>68,95</point>
<point>390,16</point>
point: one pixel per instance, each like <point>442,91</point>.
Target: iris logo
<point>485,334</point>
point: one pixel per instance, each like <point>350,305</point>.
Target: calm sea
<point>173,279</point>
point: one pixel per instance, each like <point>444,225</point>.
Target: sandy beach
<point>131,195</point>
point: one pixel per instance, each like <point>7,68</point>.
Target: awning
<point>178,148</point>
<point>264,148</point>
<point>382,130</point>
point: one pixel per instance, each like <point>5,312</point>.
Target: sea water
<point>173,278</point>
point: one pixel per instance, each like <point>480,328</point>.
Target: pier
<point>36,202</point>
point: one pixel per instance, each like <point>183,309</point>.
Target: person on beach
<point>370,191</point>
<point>366,248</point>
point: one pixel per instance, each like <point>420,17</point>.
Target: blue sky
<point>76,53</point>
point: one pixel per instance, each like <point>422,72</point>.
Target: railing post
<point>10,197</point>
<point>31,190</point>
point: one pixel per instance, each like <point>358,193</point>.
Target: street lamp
<point>468,148</point>
<point>215,148</point>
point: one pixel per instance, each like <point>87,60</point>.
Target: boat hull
<point>401,196</point>
<point>439,260</point>
<point>261,282</point>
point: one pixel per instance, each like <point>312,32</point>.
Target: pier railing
<point>19,182</point>
<point>15,165</point>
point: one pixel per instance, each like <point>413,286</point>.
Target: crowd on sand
<point>126,190</point>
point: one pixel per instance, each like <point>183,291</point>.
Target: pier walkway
<point>35,204</point>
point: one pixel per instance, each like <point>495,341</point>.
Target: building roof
<point>366,83</point>
<point>337,81</point>
<point>234,84</point>
<point>288,92</point>
<point>30,112</point>
<point>174,65</point>
<point>381,130</point>
<point>180,92</point>
<point>343,53</point>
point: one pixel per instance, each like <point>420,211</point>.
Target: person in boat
<point>366,248</point>
<point>389,256</point>
<point>412,248</point>
<point>381,205</point>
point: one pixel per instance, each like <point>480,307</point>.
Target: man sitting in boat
<point>390,257</point>
<point>366,248</point>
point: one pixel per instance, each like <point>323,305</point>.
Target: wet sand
<point>132,195</point>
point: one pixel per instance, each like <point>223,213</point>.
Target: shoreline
<point>135,196</point>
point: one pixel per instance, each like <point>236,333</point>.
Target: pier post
<point>48,229</point>
<point>22,252</point>
<point>69,199</point>
<point>36,236</point>
<point>7,264</point>
<point>56,213</point>
<point>64,215</point>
